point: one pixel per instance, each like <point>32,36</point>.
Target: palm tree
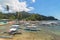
<point>7,8</point>
<point>17,18</point>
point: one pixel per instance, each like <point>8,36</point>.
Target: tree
<point>12,17</point>
<point>51,18</point>
<point>7,8</point>
<point>35,17</point>
<point>18,15</point>
<point>1,15</point>
<point>25,16</point>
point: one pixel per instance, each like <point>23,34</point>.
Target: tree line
<point>25,16</point>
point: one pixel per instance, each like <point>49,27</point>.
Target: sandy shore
<point>40,35</point>
<point>2,39</point>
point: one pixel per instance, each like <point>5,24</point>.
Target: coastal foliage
<point>25,16</point>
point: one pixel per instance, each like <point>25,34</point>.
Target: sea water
<point>55,30</point>
<point>52,28</point>
<point>3,22</point>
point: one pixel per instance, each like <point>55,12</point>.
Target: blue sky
<point>47,7</point>
<point>43,7</point>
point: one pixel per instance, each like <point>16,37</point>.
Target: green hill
<point>25,16</point>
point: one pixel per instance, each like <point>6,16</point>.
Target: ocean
<point>55,29</point>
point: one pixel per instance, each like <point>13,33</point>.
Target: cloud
<point>14,6</point>
<point>0,8</point>
<point>33,1</point>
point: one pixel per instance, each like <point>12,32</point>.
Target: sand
<point>2,39</point>
<point>27,35</point>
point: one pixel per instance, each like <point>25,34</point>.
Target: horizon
<point>43,7</point>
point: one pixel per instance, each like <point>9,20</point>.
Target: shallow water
<point>51,29</point>
<point>55,30</point>
<point>2,23</point>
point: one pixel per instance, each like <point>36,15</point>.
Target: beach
<point>42,34</point>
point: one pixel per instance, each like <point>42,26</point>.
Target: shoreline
<point>36,35</point>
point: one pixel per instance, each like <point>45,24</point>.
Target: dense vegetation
<point>25,16</point>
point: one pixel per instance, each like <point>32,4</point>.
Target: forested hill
<point>25,16</point>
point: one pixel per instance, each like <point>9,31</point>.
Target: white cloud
<point>0,8</point>
<point>14,6</point>
<point>33,1</point>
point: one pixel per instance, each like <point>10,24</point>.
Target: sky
<point>43,7</point>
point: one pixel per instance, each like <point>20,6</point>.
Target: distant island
<point>25,16</point>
